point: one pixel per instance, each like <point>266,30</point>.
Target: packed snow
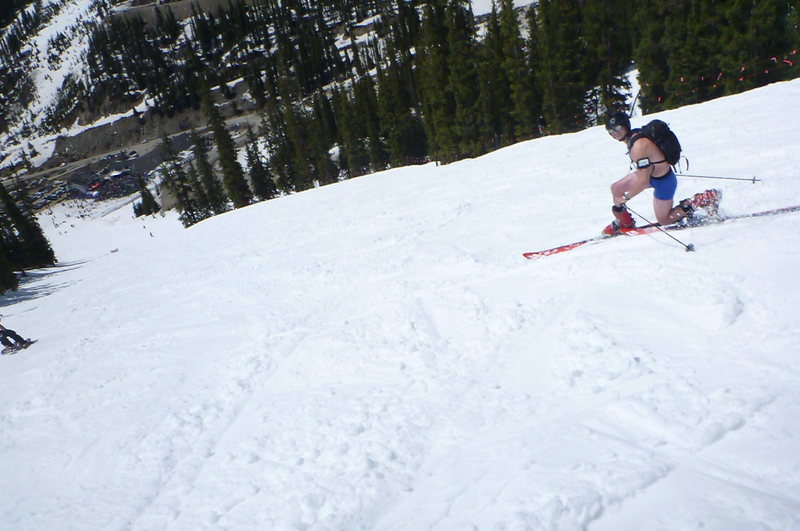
<point>377,354</point>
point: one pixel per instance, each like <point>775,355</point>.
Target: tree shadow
<point>33,284</point>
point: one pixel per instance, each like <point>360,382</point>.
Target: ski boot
<point>10,350</point>
<point>685,209</point>
<point>622,220</point>
<point>708,201</point>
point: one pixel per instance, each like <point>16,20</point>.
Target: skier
<point>651,171</point>
<point>6,337</point>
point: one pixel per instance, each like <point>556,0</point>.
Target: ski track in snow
<point>377,355</point>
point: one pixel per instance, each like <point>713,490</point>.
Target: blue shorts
<point>664,187</point>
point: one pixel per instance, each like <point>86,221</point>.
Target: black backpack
<point>663,137</point>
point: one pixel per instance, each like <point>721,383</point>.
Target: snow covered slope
<point>54,53</point>
<point>376,354</point>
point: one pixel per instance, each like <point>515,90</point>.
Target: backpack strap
<point>635,135</point>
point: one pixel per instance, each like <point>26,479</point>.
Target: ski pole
<point>687,247</point>
<point>633,103</point>
<point>753,180</point>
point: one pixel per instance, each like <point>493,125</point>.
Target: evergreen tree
<point>8,279</point>
<point>462,82</point>
<point>562,60</point>
<point>367,109</point>
<point>520,118</point>
<point>433,70</point>
<point>691,45</point>
<point>256,84</point>
<point>793,34</point>
<point>167,27</point>
<point>263,185</point>
<point>10,245</point>
<point>532,62</point>
<point>280,149</point>
<point>294,141</point>
<point>651,53</point>
<point>605,26</point>
<point>232,174</point>
<point>495,94</point>
<point>751,34</point>
<point>212,188</point>
<point>198,192</point>
<point>354,155</point>
<point>401,126</point>
<point>30,247</point>
<point>323,113</point>
<point>322,131</point>
<point>298,141</point>
<point>175,179</point>
<point>148,205</point>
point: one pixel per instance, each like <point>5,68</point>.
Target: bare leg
<point>622,186</point>
<point>666,214</point>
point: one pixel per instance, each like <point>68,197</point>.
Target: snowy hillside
<point>50,55</point>
<point>376,354</point>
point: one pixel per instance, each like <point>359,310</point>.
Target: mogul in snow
<point>653,150</point>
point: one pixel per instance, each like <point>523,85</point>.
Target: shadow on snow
<point>38,283</point>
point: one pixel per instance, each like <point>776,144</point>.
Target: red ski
<point>570,246</point>
<point>648,229</point>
